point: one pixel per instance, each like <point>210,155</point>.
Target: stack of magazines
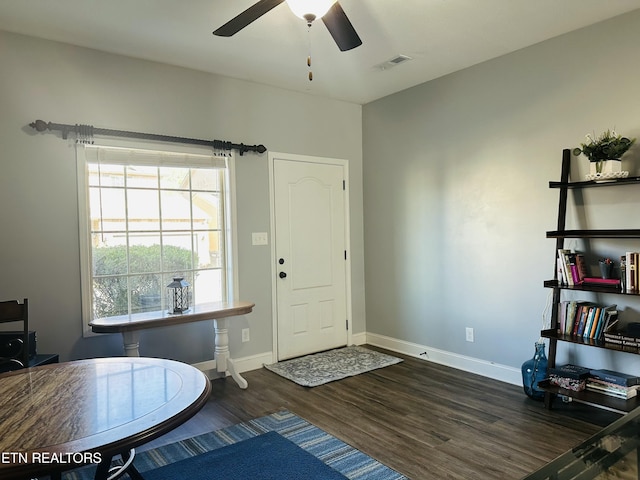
<point>614,384</point>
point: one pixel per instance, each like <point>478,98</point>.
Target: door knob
<point>283,275</point>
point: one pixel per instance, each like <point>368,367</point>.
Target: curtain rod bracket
<point>87,132</point>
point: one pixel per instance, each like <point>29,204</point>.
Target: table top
<point>162,318</point>
<point>104,406</point>
<point>611,453</point>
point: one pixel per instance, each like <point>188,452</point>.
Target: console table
<point>60,416</point>
<point>131,325</point>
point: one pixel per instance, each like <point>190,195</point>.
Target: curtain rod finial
<point>40,125</point>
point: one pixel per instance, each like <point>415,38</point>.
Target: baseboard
<point>244,364</point>
<point>359,338</point>
<point>253,362</point>
<point>492,370</point>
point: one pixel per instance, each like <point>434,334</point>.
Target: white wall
<point>39,256</point>
<point>456,193</point>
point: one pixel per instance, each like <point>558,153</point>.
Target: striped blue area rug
<point>257,458</point>
<point>347,460</point>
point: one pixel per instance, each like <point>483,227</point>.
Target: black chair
<point>14,348</point>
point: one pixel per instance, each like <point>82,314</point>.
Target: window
<point>147,217</point>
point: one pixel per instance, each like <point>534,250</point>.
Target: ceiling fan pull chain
<point>309,46</point>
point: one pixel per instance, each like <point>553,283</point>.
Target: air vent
<point>397,60</point>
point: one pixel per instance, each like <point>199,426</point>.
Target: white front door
<point>310,246</point>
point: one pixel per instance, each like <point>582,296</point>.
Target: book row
<point>572,270</point>
<point>586,319</point>
<point>607,382</point>
<point>622,339</point>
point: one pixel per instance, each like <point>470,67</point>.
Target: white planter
<point>607,167</point>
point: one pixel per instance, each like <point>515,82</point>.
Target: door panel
<point>310,245</point>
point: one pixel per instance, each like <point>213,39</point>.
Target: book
<point>588,322</point>
<point>612,391</point>
<point>631,271</point>
<point>570,317</point>
<point>570,371</point>
<point>568,383</point>
<point>563,262</point>
<point>610,321</point>
<point>582,267</point>
<point>601,281</point>
<point>594,315</point>
<point>605,316</point>
<point>570,377</point>
<point>573,269</point>
<point>617,378</point>
<point>577,326</point>
<point>596,321</point>
<point>581,322</point>
<point>578,318</point>
<point>562,316</point>
<point>613,338</point>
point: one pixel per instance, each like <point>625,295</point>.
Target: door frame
<point>272,225</point>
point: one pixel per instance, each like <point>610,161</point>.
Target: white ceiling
<point>441,36</point>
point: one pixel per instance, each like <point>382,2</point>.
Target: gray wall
<point>456,193</point>
<point>39,256</point>
<point>455,186</point>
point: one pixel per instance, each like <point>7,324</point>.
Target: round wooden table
<point>57,417</point>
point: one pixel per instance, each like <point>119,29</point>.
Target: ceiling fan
<point>330,11</point>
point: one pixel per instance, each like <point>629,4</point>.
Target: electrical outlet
<point>469,332</point>
<point>245,335</point>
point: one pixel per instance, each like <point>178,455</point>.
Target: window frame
<point>228,231</point>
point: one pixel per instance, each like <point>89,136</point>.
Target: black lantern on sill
<point>178,295</point>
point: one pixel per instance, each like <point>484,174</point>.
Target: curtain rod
<point>86,132</point>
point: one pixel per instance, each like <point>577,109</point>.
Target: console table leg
<point>223,362</point>
<point>131,342</point>
<point>242,383</point>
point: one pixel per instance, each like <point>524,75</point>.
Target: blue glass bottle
<point>533,371</point>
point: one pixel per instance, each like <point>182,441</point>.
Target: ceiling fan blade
<point>341,29</point>
<point>251,14</point>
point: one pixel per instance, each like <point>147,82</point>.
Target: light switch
<point>259,238</point>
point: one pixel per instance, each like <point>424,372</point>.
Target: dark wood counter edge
<point>22,471</point>
<point>142,321</point>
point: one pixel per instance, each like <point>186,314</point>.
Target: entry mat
<point>324,367</point>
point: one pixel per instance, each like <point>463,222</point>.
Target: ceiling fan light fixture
<point>309,10</point>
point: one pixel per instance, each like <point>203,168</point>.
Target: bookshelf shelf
<point>619,233</point>
<point>592,398</point>
<point>591,342</point>
<point>595,183</point>
<point>592,287</point>
<point>560,234</point>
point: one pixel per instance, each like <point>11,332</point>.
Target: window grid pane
<point>149,224</point>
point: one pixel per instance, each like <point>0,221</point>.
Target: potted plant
<point>604,152</point>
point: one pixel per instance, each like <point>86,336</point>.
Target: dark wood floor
<point>424,420</point>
